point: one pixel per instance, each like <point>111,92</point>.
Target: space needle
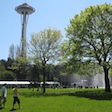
<point>24,10</point>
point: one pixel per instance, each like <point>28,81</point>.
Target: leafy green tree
<point>44,46</point>
<point>7,75</point>
<point>35,73</point>
<point>20,67</point>
<point>91,33</point>
<point>2,67</point>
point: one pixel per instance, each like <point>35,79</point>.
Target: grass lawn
<point>62,100</point>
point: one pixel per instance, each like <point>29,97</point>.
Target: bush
<point>7,75</point>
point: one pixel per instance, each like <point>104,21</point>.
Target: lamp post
<point>24,10</point>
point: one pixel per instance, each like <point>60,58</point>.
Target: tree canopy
<point>44,47</point>
<point>91,32</point>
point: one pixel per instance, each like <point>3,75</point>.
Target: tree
<point>12,52</point>
<point>45,49</point>
<point>7,75</point>
<point>2,66</point>
<point>91,32</point>
<point>20,67</point>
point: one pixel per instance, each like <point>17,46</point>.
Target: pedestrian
<point>16,97</point>
<point>4,95</point>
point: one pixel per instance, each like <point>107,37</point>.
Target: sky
<point>49,13</point>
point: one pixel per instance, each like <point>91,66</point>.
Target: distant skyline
<point>49,13</point>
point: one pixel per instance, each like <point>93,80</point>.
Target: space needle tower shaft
<point>24,10</point>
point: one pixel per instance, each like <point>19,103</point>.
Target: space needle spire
<point>24,10</point>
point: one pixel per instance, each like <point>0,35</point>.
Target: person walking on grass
<point>15,96</point>
<point>4,95</point>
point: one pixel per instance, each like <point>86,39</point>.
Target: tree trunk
<point>44,74</point>
<point>107,82</point>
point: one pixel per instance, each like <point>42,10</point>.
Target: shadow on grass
<point>94,94</point>
<point>91,94</point>
<point>34,94</point>
<point>13,109</point>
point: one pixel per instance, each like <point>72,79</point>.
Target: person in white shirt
<point>4,94</point>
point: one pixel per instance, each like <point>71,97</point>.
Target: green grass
<point>62,100</point>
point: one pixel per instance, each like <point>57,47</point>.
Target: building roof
<point>14,82</point>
